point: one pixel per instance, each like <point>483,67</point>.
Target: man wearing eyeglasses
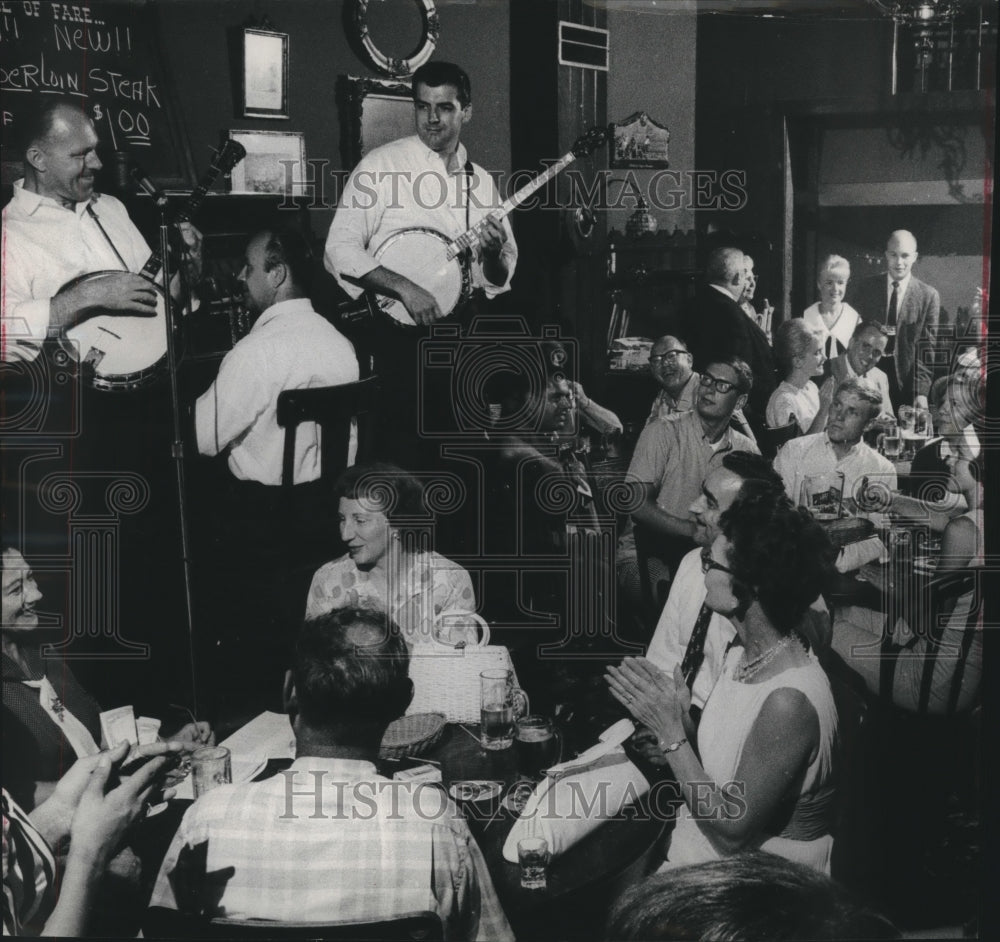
<point>739,475</point>
<point>670,364</point>
<point>673,457</point>
<point>864,350</point>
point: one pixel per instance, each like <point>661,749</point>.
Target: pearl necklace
<point>746,669</point>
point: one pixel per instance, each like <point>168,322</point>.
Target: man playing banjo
<point>395,195</point>
<point>57,228</point>
<point>420,181</point>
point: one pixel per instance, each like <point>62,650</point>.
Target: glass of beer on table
<point>501,703</point>
<point>537,745</point>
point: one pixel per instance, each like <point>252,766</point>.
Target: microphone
<point>147,186</point>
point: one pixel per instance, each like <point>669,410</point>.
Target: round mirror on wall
<point>388,23</point>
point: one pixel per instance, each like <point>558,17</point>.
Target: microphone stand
<point>177,449</point>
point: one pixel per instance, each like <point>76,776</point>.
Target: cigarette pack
<point>419,773</point>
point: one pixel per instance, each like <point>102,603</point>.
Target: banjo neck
<point>471,238</point>
<point>228,157</point>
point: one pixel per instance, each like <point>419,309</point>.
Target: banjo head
<point>124,352</point>
<point>422,256</point>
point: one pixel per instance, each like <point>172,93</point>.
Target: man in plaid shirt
<point>330,839</point>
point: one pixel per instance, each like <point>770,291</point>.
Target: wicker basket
<point>411,735</point>
<point>448,679</point>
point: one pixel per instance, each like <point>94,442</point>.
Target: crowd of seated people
<point>726,576</point>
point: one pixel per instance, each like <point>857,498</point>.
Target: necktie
<point>694,654</point>
<point>890,319</point>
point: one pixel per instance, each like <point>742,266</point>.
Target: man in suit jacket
<point>866,348</point>
<point>718,329</point>
<point>917,309</point>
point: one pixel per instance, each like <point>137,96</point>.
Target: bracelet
<point>673,747</point>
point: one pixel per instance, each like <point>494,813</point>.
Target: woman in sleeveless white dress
<point>762,775</point>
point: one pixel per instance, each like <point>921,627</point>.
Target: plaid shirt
<point>330,839</point>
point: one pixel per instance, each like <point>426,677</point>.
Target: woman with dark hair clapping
<point>762,772</point>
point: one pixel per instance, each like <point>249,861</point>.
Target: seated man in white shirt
<point>290,346</point>
<point>739,475</point>
<point>866,347</point>
<point>856,404</point>
<point>330,839</point>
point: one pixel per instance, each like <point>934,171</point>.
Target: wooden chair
<point>162,923</point>
<point>333,408</point>
<point>937,608</point>
<point>771,439</point>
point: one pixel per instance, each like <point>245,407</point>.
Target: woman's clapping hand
<point>655,699</point>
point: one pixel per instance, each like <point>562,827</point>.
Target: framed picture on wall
<point>640,142</point>
<point>275,163</point>
<point>377,111</point>
<point>265,74</point>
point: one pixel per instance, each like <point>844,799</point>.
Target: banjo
<point>126,352</point>
<point>438,264</point>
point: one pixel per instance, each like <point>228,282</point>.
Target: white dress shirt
<point>404,185</point>
<point>289,347</point>
<point>673,630</point>
<point>814,454</point>
<point>46,245</point>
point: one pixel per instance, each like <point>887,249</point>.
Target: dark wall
<point>194,34</point>
<point>749,69</point>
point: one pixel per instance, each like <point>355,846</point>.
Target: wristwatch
<point>672,747</point>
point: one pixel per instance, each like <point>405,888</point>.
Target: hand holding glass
<point>211,766</point>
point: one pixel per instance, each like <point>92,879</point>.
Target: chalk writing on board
<point>104,54</point>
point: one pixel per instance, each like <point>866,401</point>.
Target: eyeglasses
<point>708,564</point>
<point>721,385</point>
<point>669,355</point>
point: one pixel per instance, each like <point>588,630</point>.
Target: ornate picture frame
<point>639,142</point>
<point>377,111</point>
<point>265,74</point>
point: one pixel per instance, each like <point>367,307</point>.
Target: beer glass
<point>500,704</point>
<point>821,494</point>
<point>533,857</point>
<point>889,442</point>
<point>537,744</point>
<point>211,766</point>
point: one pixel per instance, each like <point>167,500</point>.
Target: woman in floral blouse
<point>390,566</point>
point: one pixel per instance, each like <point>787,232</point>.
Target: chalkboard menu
<point>106,55</point>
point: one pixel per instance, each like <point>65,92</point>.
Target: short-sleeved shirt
<point>788,401</point>
<point>329,839</point>
<point>431,586</point>
<point>675,455</point>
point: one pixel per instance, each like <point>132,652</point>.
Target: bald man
<point>56,227</point>
<point>716,328</point>
<point>902,302</point>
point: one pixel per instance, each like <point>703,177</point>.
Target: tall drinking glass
<point>822,494</point>
<point>537,744</point>
<point>889,442</point>
<point>500,704</point>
